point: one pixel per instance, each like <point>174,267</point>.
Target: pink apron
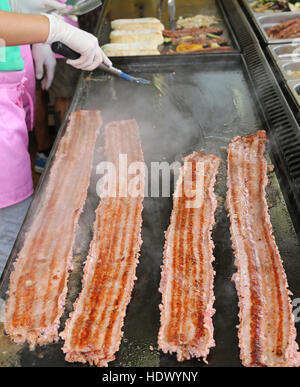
<point>16,112</point>
<point>30,85</point>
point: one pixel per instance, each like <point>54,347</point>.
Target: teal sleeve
<point>10,57</point>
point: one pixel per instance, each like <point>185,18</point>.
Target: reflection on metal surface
<point>160,9</point>
<point>172,13</point>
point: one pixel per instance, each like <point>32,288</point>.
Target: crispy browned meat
<point>267,334</point>
<point>187,273</point>
<point>286,30</point>
<point>38,284</point>
<point>204,41</point>
<point>192,31</point>
<point>94,330</point>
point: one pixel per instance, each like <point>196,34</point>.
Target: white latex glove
<point>35,6</point>
<point>78,40</point>
<point>45,63</point>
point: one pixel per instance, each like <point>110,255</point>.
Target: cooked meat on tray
<point>140,38</point>
<point>94,330</point>
<point>289,29</point>
<point>187,272</point>
<point>194,32</point>
<point>267,334</point>
<point>38,284</point>
<point>195,40</point>
<point>206,42</point>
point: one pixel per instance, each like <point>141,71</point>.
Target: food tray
<point>264,22</point>
<point>289,52</point>
<point>167,12</point>
<point>294,87</point>
<point>281,58</point>
<point>286,66</point>
<point>248,3</point>
<point>286,59</point>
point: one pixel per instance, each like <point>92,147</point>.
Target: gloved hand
<point>78,40</point>
<point>45,64</point>
<point>35,6</point>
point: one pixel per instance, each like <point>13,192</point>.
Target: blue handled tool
<point>62,49</point>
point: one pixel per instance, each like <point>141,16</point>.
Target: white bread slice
<point>140,36</point>
<point>130,49</point>
<point>150,23</point>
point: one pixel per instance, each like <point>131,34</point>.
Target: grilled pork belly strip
<point>266,332</point>
<point>192,31</point>
<point>94,330</point>
<point>204,41</point>
<point>187,272</point>
<point>38,284</point>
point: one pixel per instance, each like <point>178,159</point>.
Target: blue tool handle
<point>125,76</point>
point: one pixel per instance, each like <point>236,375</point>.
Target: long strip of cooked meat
<point>192,31</point>
<point>38,284</point>
<point>187,273</point>
<point>266,332</point>
<point>94,330</point>
<point>204,41</point>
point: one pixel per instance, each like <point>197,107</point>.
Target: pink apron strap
<point>22,88</point>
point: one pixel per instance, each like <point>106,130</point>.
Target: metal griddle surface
<point>198,107</point>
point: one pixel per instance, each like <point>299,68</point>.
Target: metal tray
<point>264,22</point>
<point>248,3</point>
<point>167,12</point>
<point>282,57</point>
<point>287,66</point>
<point>285,52</point>
<point>192,105</point>
<point>286,60</point>
<point>294,87</point>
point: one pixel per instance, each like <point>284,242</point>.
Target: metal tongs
<point>80,8</point>
<point>62,49</point>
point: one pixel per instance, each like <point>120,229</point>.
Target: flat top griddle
<point>190,107</point>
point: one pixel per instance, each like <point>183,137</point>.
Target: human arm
<point>20,29</point>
